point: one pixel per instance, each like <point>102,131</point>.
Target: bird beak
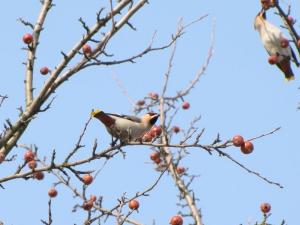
<point>260,16</point>
<point>154,119</point>
<point>262,13</point>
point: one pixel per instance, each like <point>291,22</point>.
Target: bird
<point>276,45</point>
<point>126,127</point>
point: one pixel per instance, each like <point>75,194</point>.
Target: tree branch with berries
<point>169,142</point>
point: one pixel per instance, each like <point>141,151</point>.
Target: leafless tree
<point>168,153</point>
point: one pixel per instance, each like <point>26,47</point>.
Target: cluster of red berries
<point>154,96</point>
<point>246,146</point>
<point>29,158</point>
<point>155,157</point>
<point>88,205</point>
<point>154,132</point>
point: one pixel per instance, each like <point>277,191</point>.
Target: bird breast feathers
<point>271,37</point>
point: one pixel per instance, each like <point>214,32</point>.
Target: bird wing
<point>128,117</point>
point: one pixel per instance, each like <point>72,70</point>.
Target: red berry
<point>154,156</point>
<point>133,204</point>
<point>93,198</point>
<point>237,140</point>
<point>284,43</point>
<point>180,170</point>
<point>88,205</point>
<point>176,220</point>
<point>156,130</point>
<point>32,164</point>
<point>87,50</point>
<point>38,175</point>
<point>273,59</point>
<point>265,207</point>
<point>29,155</point>
<point>290,20</point>
<point>157,161</point>
<point>27,38</point>
<point>298,43</point>
<point>266,4</point>
<point>185,105</point>
<point>44,70</point>
<point>153,95</point>
<point>2,157</point>
<point>176,129</point>
<point>87,179</point>
<point>273,2</point>
<point>52,192</point>
<point>247,147</point>
<point>147,137</point>
<point>140,102</point>
<point>152,133</point>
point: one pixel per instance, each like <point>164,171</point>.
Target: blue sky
<point>240,93</point>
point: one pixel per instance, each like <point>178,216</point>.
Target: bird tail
<point>107,120</point>
<point>285,67</point>
<point>289,77</point>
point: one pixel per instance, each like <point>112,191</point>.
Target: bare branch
<point>10,138</point>
<point>49,222</point>
<point>32,49</point>
<point>2,99</point>
<point>290,26</point>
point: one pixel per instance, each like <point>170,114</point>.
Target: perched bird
<point>276,45</point>
<point>124,127</point>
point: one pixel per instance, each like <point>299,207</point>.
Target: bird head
<point>259,19</point>
<point>95,112</point>
<point>150,118</point>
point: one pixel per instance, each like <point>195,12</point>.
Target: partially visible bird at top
<point>276,45</point>
<point>124,127</point>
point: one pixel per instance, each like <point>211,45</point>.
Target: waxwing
<point>124,127</point>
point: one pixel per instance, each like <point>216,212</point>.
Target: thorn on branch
<point>48,106</point>
<point>2,99</point>
<point>217,140</point>
<point>87,29</point>
<point>131,26</point>
<point>99,20</point>
<point>53,158</point>
<point>107,54</point>
<point>26,23</point>
<point>64,55</point>
<point>49,214</point>
<point>93,40</point>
